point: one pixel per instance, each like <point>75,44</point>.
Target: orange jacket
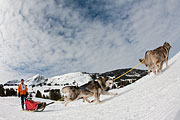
<point>21,91</point>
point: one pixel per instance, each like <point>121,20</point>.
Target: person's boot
<point>23,107</point>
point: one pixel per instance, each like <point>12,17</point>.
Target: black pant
<point>22,101</point>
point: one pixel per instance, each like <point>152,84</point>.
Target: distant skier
<point>22,92</point>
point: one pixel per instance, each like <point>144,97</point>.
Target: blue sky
<point>61,36</point>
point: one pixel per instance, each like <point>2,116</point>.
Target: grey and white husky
<point>92,88</point>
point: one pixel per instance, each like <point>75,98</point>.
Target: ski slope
<point>154,97</point>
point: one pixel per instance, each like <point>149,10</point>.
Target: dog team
<point>154,59</point>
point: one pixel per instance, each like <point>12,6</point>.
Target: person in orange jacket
<point>22,92</point>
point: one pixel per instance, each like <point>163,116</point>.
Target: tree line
<point>54,94</point>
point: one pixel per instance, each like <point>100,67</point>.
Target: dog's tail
<point>147,57</point>
<point>142,61</point>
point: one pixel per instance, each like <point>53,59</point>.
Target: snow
<point>154,97</point>
<point>37,79</point>
<point>13,82</point>
<point>57,82</point>
<point>78,77</point>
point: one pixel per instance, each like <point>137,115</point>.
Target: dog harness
<point>83,87</point>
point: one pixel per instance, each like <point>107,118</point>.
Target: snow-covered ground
<point>77,77</point>
<point>154,97</point>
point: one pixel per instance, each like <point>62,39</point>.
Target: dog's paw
<point>88,101</point>
<point>100,102</point>
<point>92,101</point>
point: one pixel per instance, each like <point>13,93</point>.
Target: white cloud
<point>51,39</point>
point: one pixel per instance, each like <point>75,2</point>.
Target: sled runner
<point>34,106</point>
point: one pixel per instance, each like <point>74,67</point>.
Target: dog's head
<point>166,44</point>
<point>106,81</point>
<point>109,82</point>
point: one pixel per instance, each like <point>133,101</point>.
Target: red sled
<point>34,106</point>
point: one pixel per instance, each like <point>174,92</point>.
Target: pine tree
<point>55,94</point>
<point>2,91</point>
<point>47,97</point>
<point>44,96</point>
<point>7,92</point>
<point>38,94</point>
<point>30,95</point>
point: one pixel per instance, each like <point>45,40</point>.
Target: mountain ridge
<point>78,77</point>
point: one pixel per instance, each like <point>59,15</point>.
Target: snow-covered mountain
<point>38,82</point>
<point>35,80</point>
<point>154,97</point>
<point>12,83</point>
<point>78,78</point>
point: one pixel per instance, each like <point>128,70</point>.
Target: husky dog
<point>92,88</point>
<point>155,58</point>
<point>74,93</point>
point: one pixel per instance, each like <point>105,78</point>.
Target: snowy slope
<point>34,80</point>
<point>13,82</point>
<point>77,77</point>
<point>151,98</point>
<point>37,79</point>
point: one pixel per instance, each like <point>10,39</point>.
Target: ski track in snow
<point>154,97</point>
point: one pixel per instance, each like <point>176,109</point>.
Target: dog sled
<point>34,106</point>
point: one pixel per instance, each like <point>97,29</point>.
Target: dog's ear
<point>106,78</point>
<point>101,77</point>
<point>141,60</point>
<point>167,44</point>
